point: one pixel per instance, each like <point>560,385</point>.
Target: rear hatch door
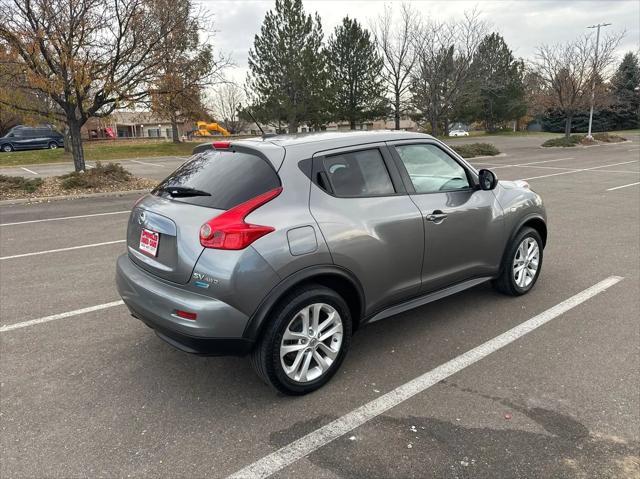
<point>163,234</point>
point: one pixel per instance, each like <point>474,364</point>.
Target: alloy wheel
<point>526,262</point>
<point>311,342</point>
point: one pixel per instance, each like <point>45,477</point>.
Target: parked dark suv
<point>31,138</point>
<point>281,247</point>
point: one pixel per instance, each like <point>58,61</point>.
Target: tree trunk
<point>434,125</point>
<point>352,124</point>
<point>446,126</point>
<point>67,140</point>
<point>293,126</point>
<point>567,126</point>
<point>174,130</point>
<point>396,113</point>
<point>76,145</point>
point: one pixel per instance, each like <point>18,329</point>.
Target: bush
<point>573,140</point>
<point>101,175</point>
<point>19,183</point>
<point>476,149</point>
<point>608,138</point>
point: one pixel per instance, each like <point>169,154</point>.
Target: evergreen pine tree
<point>287,68</point>
<point>356,88</point>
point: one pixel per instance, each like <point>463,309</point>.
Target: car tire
<point>7,148</point>
<point>518,273</point>
<point>53,145</point>
<point>266,356</point>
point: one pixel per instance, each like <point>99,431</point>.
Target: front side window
<point>359,173</point>
<point>431,169</point>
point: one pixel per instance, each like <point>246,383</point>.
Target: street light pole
<point>593,80</point>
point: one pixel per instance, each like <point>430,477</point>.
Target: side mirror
<point>488,179</point>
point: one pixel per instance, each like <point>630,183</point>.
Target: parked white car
<point>458,133</point>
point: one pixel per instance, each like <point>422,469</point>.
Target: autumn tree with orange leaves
<point>88,57</point>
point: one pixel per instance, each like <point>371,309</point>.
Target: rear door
<point>41,137</point>
<point>372,228</point>
<point>463,224</point>
<point>163,235</point>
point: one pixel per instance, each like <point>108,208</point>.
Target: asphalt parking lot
<point>95,394</point>
<point>155,168</point>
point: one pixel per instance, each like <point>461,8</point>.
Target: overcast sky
<point>524,24</point>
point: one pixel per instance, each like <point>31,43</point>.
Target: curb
<point>586,146</point>
<point>46,199</point>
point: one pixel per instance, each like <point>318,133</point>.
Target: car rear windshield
<point>229,177</point>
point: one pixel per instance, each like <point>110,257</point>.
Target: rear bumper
<point>217,331</point>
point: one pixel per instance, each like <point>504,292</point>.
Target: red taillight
<point>221,145</point>
<point>229,230</point>
<point>186,315</point>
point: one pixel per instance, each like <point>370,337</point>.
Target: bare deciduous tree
<point>445,51</point>
<point>188,66</point>
<point>88,56</point>
<point>225,106</point>
<point>566,73</point>
<point>396,46</point>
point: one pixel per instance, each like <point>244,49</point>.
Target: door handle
<point>437,217</point>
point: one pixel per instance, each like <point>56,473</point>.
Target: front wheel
<point>305,342</point>
<point>522,264</point>
<point>53,146</point>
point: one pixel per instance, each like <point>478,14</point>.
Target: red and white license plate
<point>149,242</point>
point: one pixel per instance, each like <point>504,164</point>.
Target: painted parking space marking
<point>579,170</point>
<point>53,317</point>
<point>145,163</point>
<point>535,162</point>
<point>623,186</point>
<point>60,218</point>
<point>59,250</point>
<point>28,170</point>
<point>304,446</point>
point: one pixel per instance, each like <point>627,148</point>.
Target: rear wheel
<point>522,264</point>
<point>7,148</point>
<point>305,342</point>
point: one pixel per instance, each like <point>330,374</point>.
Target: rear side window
<point>359,173</point>
<point>229,177</point>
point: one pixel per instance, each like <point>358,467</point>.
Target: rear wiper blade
<point>184,191</point>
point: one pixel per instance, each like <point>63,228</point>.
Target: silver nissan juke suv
<point>281,247</point>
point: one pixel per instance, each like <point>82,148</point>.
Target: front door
<point>463,225</point>
<point>371,226</point>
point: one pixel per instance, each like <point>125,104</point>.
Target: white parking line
<point>28,170</point>
<point>624,186</point>
<point>145,163</point>
<point>534,162</point>
<point>36,253</point>
<point>68,314</point>
<point>304,446</point>
<point>578,171</point>
<point>634,149</point>
<point>65,218</point>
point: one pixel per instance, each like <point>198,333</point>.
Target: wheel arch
<point>535,221</point>
<point>334,277</point>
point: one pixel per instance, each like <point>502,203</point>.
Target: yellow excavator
<point>207,129</point>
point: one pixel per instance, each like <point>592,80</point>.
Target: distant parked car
<point>458,133</point>
<point>31,138</point>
